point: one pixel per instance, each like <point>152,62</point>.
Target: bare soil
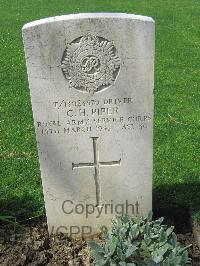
<point>32,245</point>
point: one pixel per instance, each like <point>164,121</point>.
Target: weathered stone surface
<point>91,83</point>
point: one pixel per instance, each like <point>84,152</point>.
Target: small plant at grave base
<point>139,241</point>
<point>8,219</point>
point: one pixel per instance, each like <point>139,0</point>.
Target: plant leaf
<point>96,247</point>
<point>130,251</point>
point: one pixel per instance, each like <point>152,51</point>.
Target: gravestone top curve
<point>87,15</point>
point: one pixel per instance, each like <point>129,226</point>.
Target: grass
<point>177,96</point>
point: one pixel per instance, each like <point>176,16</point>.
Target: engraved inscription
<point>90,63</point>
<point>96,165</point>
<point>94,116</point>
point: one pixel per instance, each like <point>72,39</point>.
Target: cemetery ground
<point>176,194</point>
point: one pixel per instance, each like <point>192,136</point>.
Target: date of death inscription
<point>94,116</point>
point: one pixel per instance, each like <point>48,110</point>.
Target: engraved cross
<point>96,165</point>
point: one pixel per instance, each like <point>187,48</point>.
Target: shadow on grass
<point>21,207</point>
<point>176,202</point>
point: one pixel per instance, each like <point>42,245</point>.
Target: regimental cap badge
<point>90,63</point>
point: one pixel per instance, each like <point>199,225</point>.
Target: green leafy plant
<point>139,241</point>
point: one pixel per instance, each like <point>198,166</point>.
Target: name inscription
<point>94,116</point>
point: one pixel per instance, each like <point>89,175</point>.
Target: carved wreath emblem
<point>90,63</point>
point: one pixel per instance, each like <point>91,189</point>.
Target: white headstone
<point>91,82</point>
